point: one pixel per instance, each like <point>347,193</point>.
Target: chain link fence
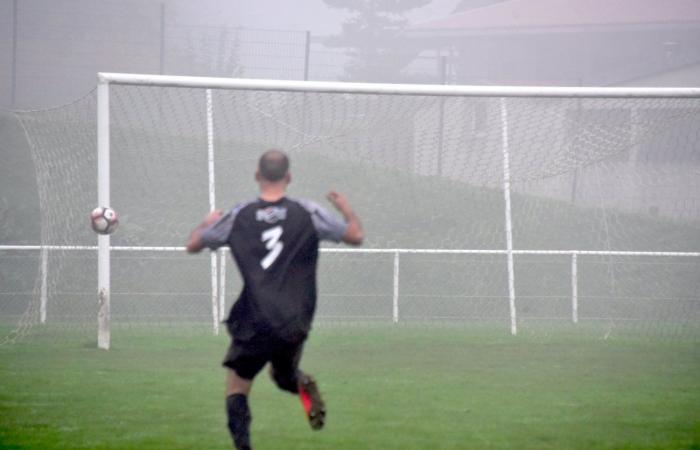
<point>50,52</point>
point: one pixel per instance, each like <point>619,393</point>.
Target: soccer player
<point>274,240</point>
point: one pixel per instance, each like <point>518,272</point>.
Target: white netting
<point>603,174</point>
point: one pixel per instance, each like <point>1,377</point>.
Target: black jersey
<point>275,245</point>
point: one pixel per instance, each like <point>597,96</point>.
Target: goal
<point>520,208</point>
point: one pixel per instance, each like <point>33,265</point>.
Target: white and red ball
<point>104,220</point>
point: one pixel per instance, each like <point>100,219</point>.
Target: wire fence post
<point>443,69</point>
<point>161,67</point>
<point>44,284</point>
<point>395,302</point>
<point>508,218</point>
<point>574,287</point>
<point>307,55</point>
<point>13,82</point>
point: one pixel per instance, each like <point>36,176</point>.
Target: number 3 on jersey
<point>271,238</point>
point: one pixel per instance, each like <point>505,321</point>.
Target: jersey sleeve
<point>216,235</point>
<point>328,226</point>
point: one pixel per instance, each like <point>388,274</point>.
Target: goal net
<point>522,209</point>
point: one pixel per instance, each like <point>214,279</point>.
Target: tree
<point>371,37</point>
<point>466,5</point>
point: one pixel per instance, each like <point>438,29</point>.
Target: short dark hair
<point>273,165</point>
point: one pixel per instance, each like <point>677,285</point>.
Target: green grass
<point>404,387</point>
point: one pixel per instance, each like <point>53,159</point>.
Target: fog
<point>50,50</point>
<point>596,175</point>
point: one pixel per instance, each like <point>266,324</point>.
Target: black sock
<point>239,420</point>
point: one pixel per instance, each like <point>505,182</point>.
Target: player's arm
<point>353,233</point>
<point>195,243</point>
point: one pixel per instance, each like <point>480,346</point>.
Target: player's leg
<point>284,370</point>
<point>237,410</point>
<point>243,364</point>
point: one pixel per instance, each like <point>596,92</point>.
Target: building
<point>555,42</point>
<point>633,156</point>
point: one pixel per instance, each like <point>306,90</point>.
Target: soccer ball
<point>104,220</point>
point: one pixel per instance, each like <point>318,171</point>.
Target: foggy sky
<point>312,15</point>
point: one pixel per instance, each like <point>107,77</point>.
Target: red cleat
<point>311,401</point>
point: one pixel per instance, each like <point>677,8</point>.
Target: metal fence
<point>51,51</point>
<point>218,294</point>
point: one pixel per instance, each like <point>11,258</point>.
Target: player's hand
<point>353,233</point>
<point>212,217</point>
<point>338,200</point>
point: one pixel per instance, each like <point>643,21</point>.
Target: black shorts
<point>247,358</point>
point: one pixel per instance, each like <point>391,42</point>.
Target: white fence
<point>218,278</point>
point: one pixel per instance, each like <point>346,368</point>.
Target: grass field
<point>402,387</point>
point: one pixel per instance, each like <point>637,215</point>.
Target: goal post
<point>519,208</point>
<point>213,258</point>
<point>103,199</point>
<point>503,94</point>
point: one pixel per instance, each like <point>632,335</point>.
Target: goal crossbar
<point>439,90</point>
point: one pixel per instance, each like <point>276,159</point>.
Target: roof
<point>521,14</point>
